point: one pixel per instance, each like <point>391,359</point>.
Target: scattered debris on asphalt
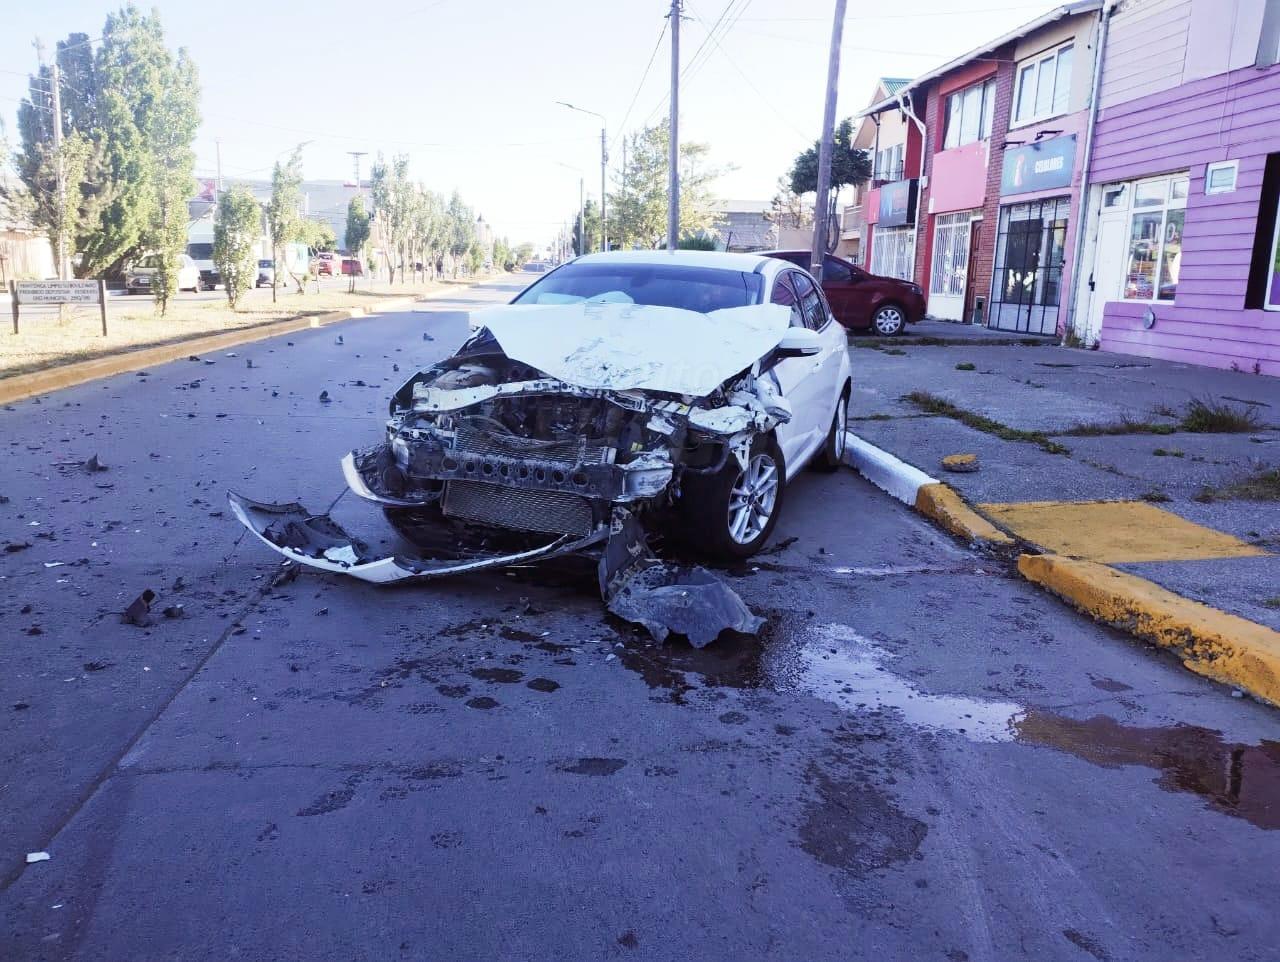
<point>33,857</point>
<point>287,574</point>
<point>15,546</point>
<point>139,610</point>
<point>324,397</point>
<point>338,340</point>
<point>174,611</point>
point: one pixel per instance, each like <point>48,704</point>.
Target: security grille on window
<point>950,254</point>
<point>969,114</point>
<point>893,252</point>
<point>1026,289</point>
<point>1155,239</point>
<point>1043,86</point>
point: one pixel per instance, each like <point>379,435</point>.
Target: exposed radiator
<point>552,512</point>
<point>476,437</point>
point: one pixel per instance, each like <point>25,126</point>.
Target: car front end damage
<point>489,461</point>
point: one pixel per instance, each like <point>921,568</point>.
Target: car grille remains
<point>477,436</point>
<point>552,512</point>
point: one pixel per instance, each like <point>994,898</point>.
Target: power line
<point>622,127</point>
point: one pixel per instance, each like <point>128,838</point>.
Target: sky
<point>468,89</point>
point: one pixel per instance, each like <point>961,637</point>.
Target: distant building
<point>742,225</point>
<point>25,251</point>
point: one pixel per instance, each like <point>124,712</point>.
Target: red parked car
<point>862,301</point>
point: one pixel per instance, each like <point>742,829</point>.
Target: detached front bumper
<point>317,541</point>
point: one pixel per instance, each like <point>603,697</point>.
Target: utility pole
<point>673,147</point>
<point>582,216</point>
<point>56,83</point>
<point>356,155</point>
<point>604,165</point>
<point>217,143</point>
<point>821,205</point>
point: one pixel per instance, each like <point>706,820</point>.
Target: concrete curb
<point>925,494</point>
<point>22,386</point>
<point>1210,642</point>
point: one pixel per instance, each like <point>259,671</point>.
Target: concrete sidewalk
<point>1056,430</point>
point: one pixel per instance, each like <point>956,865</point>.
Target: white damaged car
<point>621,394</point>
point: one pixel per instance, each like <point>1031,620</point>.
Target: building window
<point>1044,86</point>
<point>893,252</point>
<point>969,114</point>
<point>1155,239</point>
<point>1220,178</point>
<point>889,163</point>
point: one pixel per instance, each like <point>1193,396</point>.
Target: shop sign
<point>898,203</point>
<point>1040,166</point>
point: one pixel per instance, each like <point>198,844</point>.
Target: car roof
<point>748,263</point>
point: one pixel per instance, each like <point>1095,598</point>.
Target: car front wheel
<point>889,320</point>
<point>731,514</point>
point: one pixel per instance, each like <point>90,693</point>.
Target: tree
<point>316,234</point>
<point>393,203</point>
<point>283,220</point>
<point>639,213</point>
<point>849,166</point>
<point>235,236</point>
<point>129,115</point>
<point>787,208</point>
<point>357,233</point>
<point>169,128</point>
<point>592,216</point>
<point>461,230</point>
<point>524,253</point>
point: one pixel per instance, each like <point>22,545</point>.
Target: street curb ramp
<point>1212,643</point>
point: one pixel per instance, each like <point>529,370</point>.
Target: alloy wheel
<point>753,498</point>
<point>889,321</point>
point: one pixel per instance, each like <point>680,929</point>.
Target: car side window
<point>784,294</point>
<point>815,312</point>
<point>837,271</point>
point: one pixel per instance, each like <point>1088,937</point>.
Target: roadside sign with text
<point>1044,165</point>
<point>57,293</point>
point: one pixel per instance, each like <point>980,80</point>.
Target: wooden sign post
<point>57,293</point>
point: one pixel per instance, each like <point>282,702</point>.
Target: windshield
<point>200,252</point>
<point>701,289</point>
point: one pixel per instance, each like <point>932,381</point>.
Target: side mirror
<point>799,342</point>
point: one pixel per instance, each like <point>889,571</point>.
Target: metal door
<point>1026,288</point>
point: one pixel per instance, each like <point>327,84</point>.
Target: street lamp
<point>604,161</point>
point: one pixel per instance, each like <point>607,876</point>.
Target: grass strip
<point>933,404</point>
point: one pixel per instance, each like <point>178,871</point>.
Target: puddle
<point>1235,779</point>
<point>850,671</point>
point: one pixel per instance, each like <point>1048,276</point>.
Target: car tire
<point>718,518</point>
<point>832,454</point>
<point>889,320</point>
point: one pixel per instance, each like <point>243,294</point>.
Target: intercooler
<point>525,509</point>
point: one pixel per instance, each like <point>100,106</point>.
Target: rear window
<point>701,289</point>
<point>200,252</point>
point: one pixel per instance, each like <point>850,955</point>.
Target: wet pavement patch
<point>1239,780</point>
<point>482,701</point>
<point>593,766</point>
<point>329,802</point>
<point>853,826</point>
<point>542,684</point>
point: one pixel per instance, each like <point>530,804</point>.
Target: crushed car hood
<point>625,347</point>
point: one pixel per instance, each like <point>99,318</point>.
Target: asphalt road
<point>921,757</point>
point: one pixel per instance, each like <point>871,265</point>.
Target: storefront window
<point>893,252</point>
<point>1155,239</point>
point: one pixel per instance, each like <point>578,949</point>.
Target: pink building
<point>1179,257</point>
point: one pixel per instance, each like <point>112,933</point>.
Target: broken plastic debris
<point>54,564</point>
<point>174,611</point>
<point>33,857</point>
<point>324,397</point>
<point>139,610</point>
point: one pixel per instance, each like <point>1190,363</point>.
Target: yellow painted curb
<point>80,372</point>
<point>941,503</point>
<point>1210,642</point>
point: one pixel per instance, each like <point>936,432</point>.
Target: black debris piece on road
<point>139,610</point>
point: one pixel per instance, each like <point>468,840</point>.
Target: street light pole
<point>604,166</point>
